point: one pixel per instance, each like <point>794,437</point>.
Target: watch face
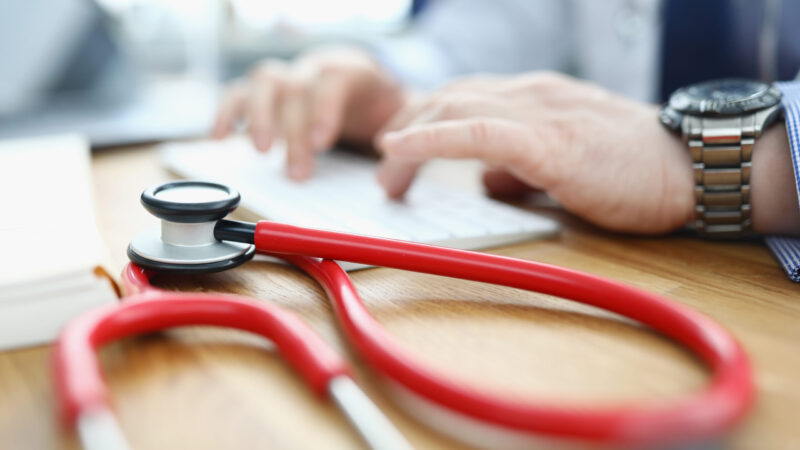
<point>727,90</point>
<point>724,97</point>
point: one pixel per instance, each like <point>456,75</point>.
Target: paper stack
<point>51,254</point>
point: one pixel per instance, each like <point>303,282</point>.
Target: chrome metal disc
<point>148,250</point>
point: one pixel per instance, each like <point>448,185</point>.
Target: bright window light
<point>320,14</point>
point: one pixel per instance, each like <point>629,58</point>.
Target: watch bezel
<point>682,102</point>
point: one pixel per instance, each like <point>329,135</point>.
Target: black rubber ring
<point>189,212</point>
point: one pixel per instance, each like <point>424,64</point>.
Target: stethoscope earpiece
<point>185,241</point>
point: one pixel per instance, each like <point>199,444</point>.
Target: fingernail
<point>318,136</point>
<point>386,181</point>
<point>393,192</point>
<point>262,142</point>
<point>298,172</point>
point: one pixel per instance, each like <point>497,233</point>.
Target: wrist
<point>774,203</point>
<point>683,198</point>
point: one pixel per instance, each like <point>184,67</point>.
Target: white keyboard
<point>343,195</point>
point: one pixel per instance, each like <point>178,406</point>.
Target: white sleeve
<point>459,37</point>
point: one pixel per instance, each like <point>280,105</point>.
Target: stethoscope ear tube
<point>83,398</point>
<point>693,417</point>
<point>79,379</point>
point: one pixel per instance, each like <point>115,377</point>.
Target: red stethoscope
<point>194,238</point>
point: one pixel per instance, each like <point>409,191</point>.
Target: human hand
<point>323,96</point>
<point>602,156</point>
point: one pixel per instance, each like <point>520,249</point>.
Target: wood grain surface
<point>209,388</point>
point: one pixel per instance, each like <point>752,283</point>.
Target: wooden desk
<point>209,388</point>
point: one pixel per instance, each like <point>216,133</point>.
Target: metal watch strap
<point>721,151</point>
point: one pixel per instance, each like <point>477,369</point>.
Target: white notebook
<point>51,253</point>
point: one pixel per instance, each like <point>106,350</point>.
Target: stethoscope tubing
<point>83,397</point>
<point>147,309</point>
<point>694,416</point>
<point>688,418</point>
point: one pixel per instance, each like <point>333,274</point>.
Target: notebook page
<point>49,243</point>
<point>48,227</point>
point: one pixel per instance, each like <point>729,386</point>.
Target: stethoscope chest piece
<point>185,241</point>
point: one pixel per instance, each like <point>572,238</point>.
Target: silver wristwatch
<point>721,120</point>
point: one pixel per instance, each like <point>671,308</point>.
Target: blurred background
<point>124,71</point>
<point>127,71</point>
